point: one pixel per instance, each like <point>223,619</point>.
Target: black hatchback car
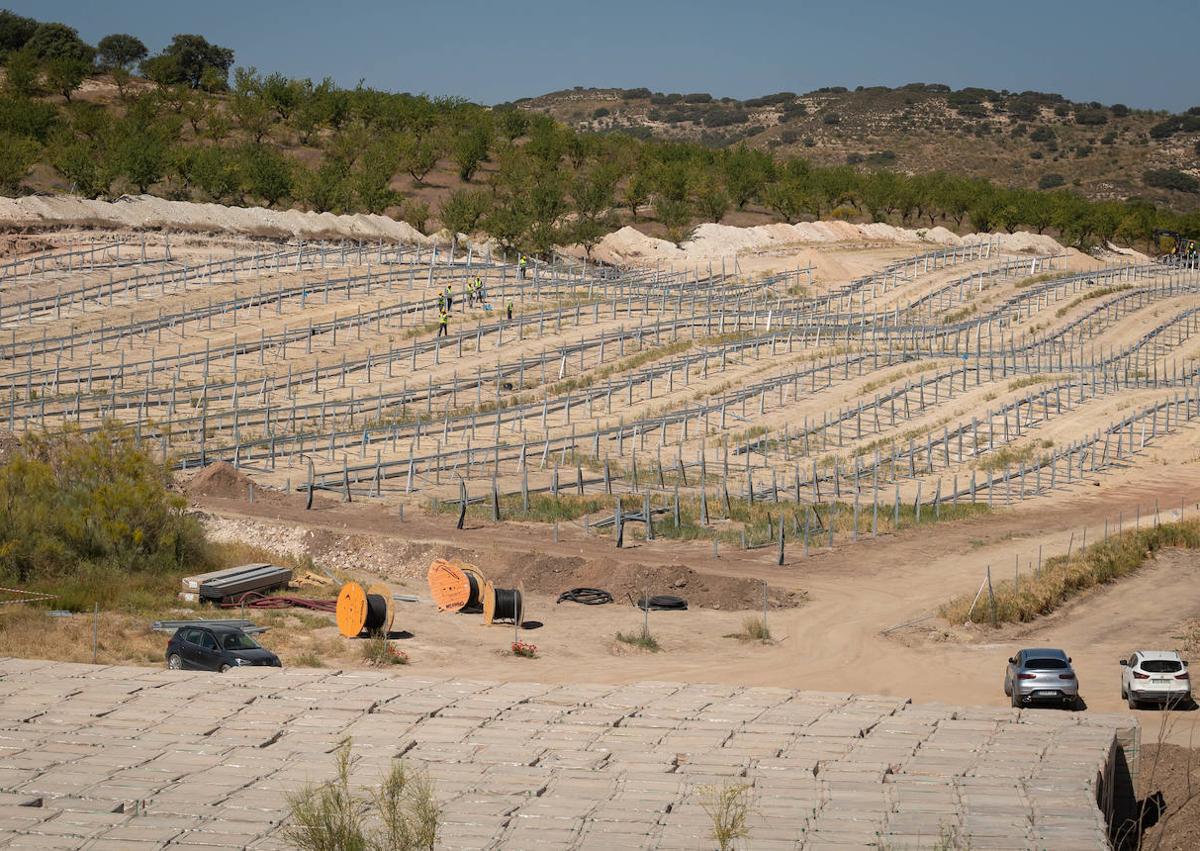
<point>215,648</point>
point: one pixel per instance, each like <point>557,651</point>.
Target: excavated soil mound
<point>219,479</point>
<point>554,574</point>
<point>149,212</point>
<point>709,242</point>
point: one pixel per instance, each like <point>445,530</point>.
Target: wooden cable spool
<point>503,604</point>
<point>455,587</point>
<point>358,609</point>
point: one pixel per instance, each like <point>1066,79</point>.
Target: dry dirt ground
<point>1173,772</point>
<point>834,639</point>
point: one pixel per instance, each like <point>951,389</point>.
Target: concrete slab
<point>110,757</point>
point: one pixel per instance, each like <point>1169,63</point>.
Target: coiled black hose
<point>586,596</point>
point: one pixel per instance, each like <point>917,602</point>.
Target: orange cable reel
<point>455,587</point>
<point>371,609</point>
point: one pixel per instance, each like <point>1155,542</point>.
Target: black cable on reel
<point>586,596</point>
<point>376,612</point>
<point>508,604</point>
<point>474,603</point>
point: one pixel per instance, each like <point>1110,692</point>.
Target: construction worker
<point>443,323</point>
<point>449,299</point>
<point>521,267</point>
<point>441,300</point>
<point>479,294</point>
<point>470,288</point>
<point>508,309</point>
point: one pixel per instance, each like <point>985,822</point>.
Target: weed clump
<point>754,628</point>
<point>643,640</point>
<point>729,808</point>
<point>379,652</point>
<point>400,815</point>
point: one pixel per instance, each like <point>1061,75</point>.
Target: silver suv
<point>1041,675</point>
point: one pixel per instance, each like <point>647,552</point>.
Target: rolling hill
<point>1029,139</point>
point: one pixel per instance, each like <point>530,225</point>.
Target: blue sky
<point>494,51</point>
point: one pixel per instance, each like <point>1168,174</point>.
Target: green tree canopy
<point>58,41</point>
<point>15,31</point>
<point>188,59</point>
<point>120,50</point>
<point>65,75</point>
<point>463,209</point>
<point>266,174</point>
<point>17,155</point>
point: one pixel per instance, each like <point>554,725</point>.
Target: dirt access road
<point>834,641</point>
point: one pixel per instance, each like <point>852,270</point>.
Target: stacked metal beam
<point>233,582</point>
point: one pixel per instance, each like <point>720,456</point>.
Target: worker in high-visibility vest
<point>449,298</point>
<point>470,288</point>
<point>508,309</point>
<point>443,323</point>
<point>441,300</point>
<point>521,266</point>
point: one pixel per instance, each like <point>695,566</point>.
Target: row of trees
<point>526,180</point>
<point>534,201</point>
<point>32,49</point>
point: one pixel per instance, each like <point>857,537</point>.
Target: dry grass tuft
<point>729,807</point>
<point>379,652</point>
<point>754,628</point>
<point>642,640</point>
<point>401,814</point>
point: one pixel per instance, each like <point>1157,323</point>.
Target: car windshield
<point>238,641</point>
<point>1046,664</point>
<point>1161,666</point>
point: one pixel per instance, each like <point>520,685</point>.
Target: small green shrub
<point>1170,178</point>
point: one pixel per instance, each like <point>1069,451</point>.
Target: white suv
<point>1160,676</point>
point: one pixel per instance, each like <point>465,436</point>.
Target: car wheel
<point>175,662</point>
<point>224,668</point>
<point>1007,689</point>
<point>1016,700</point>
<point>1133,704</point>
